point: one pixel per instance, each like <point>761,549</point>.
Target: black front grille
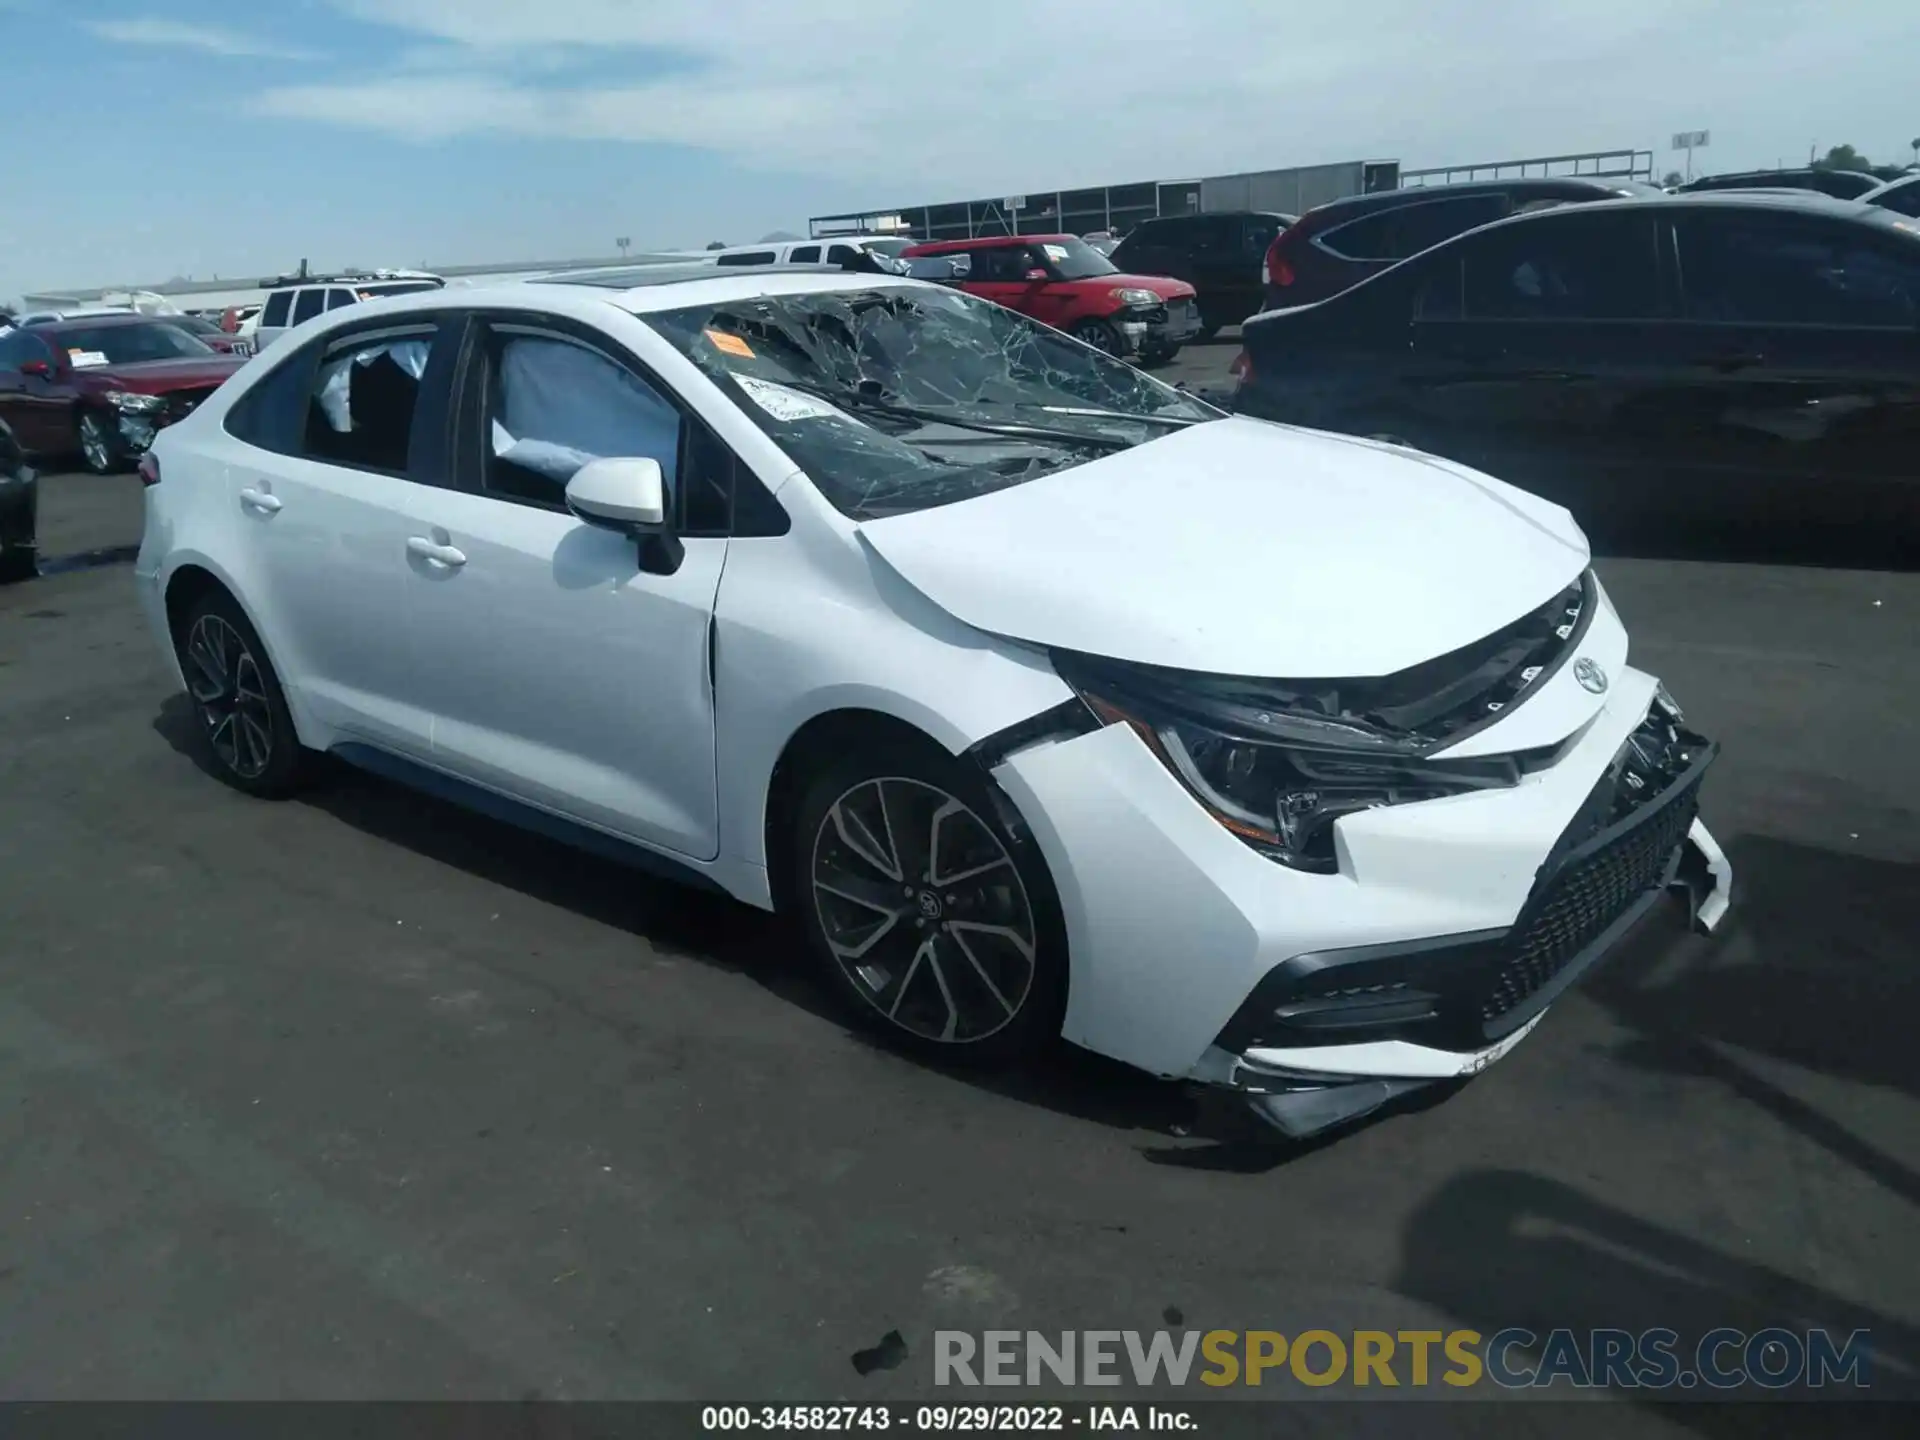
<point>1587,894</point>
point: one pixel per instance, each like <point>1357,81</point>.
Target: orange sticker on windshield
<point>730,344</point>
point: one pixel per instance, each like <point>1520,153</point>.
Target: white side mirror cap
<point>621,493</point>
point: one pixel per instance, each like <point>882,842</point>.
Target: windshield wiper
<point>1093,412</point>
<point>849,399</point>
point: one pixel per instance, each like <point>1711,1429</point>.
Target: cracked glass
<point>899,398</point>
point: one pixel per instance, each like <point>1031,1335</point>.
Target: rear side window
<point>748,257</point>
<point>279,305</point>
<point>804,255</point>
<point>309,304</point>
<point>1407,230</point>
<point>839,254</point>
<point>339,299</point>
<point>1593,266</point>
<point>273,413</point>
<point>1902,199</point>
<point>1766,269</point>
<point>362,400</point>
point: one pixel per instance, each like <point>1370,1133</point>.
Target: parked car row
<point>1706,370</point>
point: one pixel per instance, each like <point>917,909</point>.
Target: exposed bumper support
<point>1302,1089</point>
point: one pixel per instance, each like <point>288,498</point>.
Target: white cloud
<point>926,100</point>
<point>178,35</point>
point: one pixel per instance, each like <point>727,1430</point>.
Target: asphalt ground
<point>357,1096</point>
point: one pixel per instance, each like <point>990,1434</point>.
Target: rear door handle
<point>260,500</point>
<point>430,550</point>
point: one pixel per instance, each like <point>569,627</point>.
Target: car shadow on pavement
<point>1815,969</point>
<point>698,926</point>
<point>1496,1249</point>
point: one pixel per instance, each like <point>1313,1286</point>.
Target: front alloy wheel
<point>99,448</point>
<point>924,910</point>
<point>230,696</point>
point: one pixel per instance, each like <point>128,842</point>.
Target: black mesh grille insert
<point>1580,901</point>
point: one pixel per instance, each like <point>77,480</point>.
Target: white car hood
<point>1239,547</point>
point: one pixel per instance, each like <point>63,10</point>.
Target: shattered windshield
<point>902,397</point>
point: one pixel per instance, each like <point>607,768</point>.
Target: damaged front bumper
<point>1327,1038</point>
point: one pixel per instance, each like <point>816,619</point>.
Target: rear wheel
<point>100,447</point>
<point>936,926</point>
<point>244,730</point>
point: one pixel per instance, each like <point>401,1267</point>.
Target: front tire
<point>243,730</point>
<point>936,926</point>
<point>1103,335</point>
<point>100,448</point>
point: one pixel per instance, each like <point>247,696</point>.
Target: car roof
<point>1789,201</point>
<point>1537,186</point>
<point>95,322</point>
<point>637,291</point>
<point>942,247</point>
<point>1214,215</point>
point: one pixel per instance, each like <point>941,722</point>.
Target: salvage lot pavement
<point>356,1095</point>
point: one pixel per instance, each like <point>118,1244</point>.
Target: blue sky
<point>234,137</point>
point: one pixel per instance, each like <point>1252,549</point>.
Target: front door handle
<point>260,500</point>
<point>430,550</point>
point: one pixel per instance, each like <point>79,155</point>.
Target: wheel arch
<point>822,735</point>
<point>193,576</point>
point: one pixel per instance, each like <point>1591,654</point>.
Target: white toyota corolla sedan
<point>1047,699</point>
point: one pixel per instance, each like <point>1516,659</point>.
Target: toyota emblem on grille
<point>1590,675</point>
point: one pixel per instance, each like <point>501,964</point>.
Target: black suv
<point>1840,184</point>
<point>1728,374</point>
<point>1218,253</point>
<point>1342,242</point>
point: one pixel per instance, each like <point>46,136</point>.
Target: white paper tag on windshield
<point>81,359</point>
<point>784,404</point>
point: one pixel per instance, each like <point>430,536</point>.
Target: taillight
<point>1274,270</point>
<point>149,469</point>
<point>1242,367</point>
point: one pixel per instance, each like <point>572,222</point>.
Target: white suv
<point>294,300</point>
<point>1047,699</point>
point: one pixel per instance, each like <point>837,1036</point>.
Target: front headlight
<point>1140,299</point>
<point>133,404</point>
<point>1277,775</point>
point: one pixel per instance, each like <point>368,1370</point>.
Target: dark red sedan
<point>101,388</point>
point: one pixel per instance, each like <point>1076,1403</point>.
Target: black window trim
<point>470,445</point>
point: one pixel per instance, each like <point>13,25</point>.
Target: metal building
<point>1118,208</point>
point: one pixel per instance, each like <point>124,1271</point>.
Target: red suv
<point>1064,282</point>
<point>102,387</point>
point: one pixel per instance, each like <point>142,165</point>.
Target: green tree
<point>1843,157</point>
<point>1672,178</point>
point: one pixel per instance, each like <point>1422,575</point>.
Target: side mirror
<point>628,495</point>
<point>38,368</point>
<point>1036,274</point>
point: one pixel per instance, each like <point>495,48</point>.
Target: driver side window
<point>555,404</point>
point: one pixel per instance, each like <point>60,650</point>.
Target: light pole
<point>623,242</point>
